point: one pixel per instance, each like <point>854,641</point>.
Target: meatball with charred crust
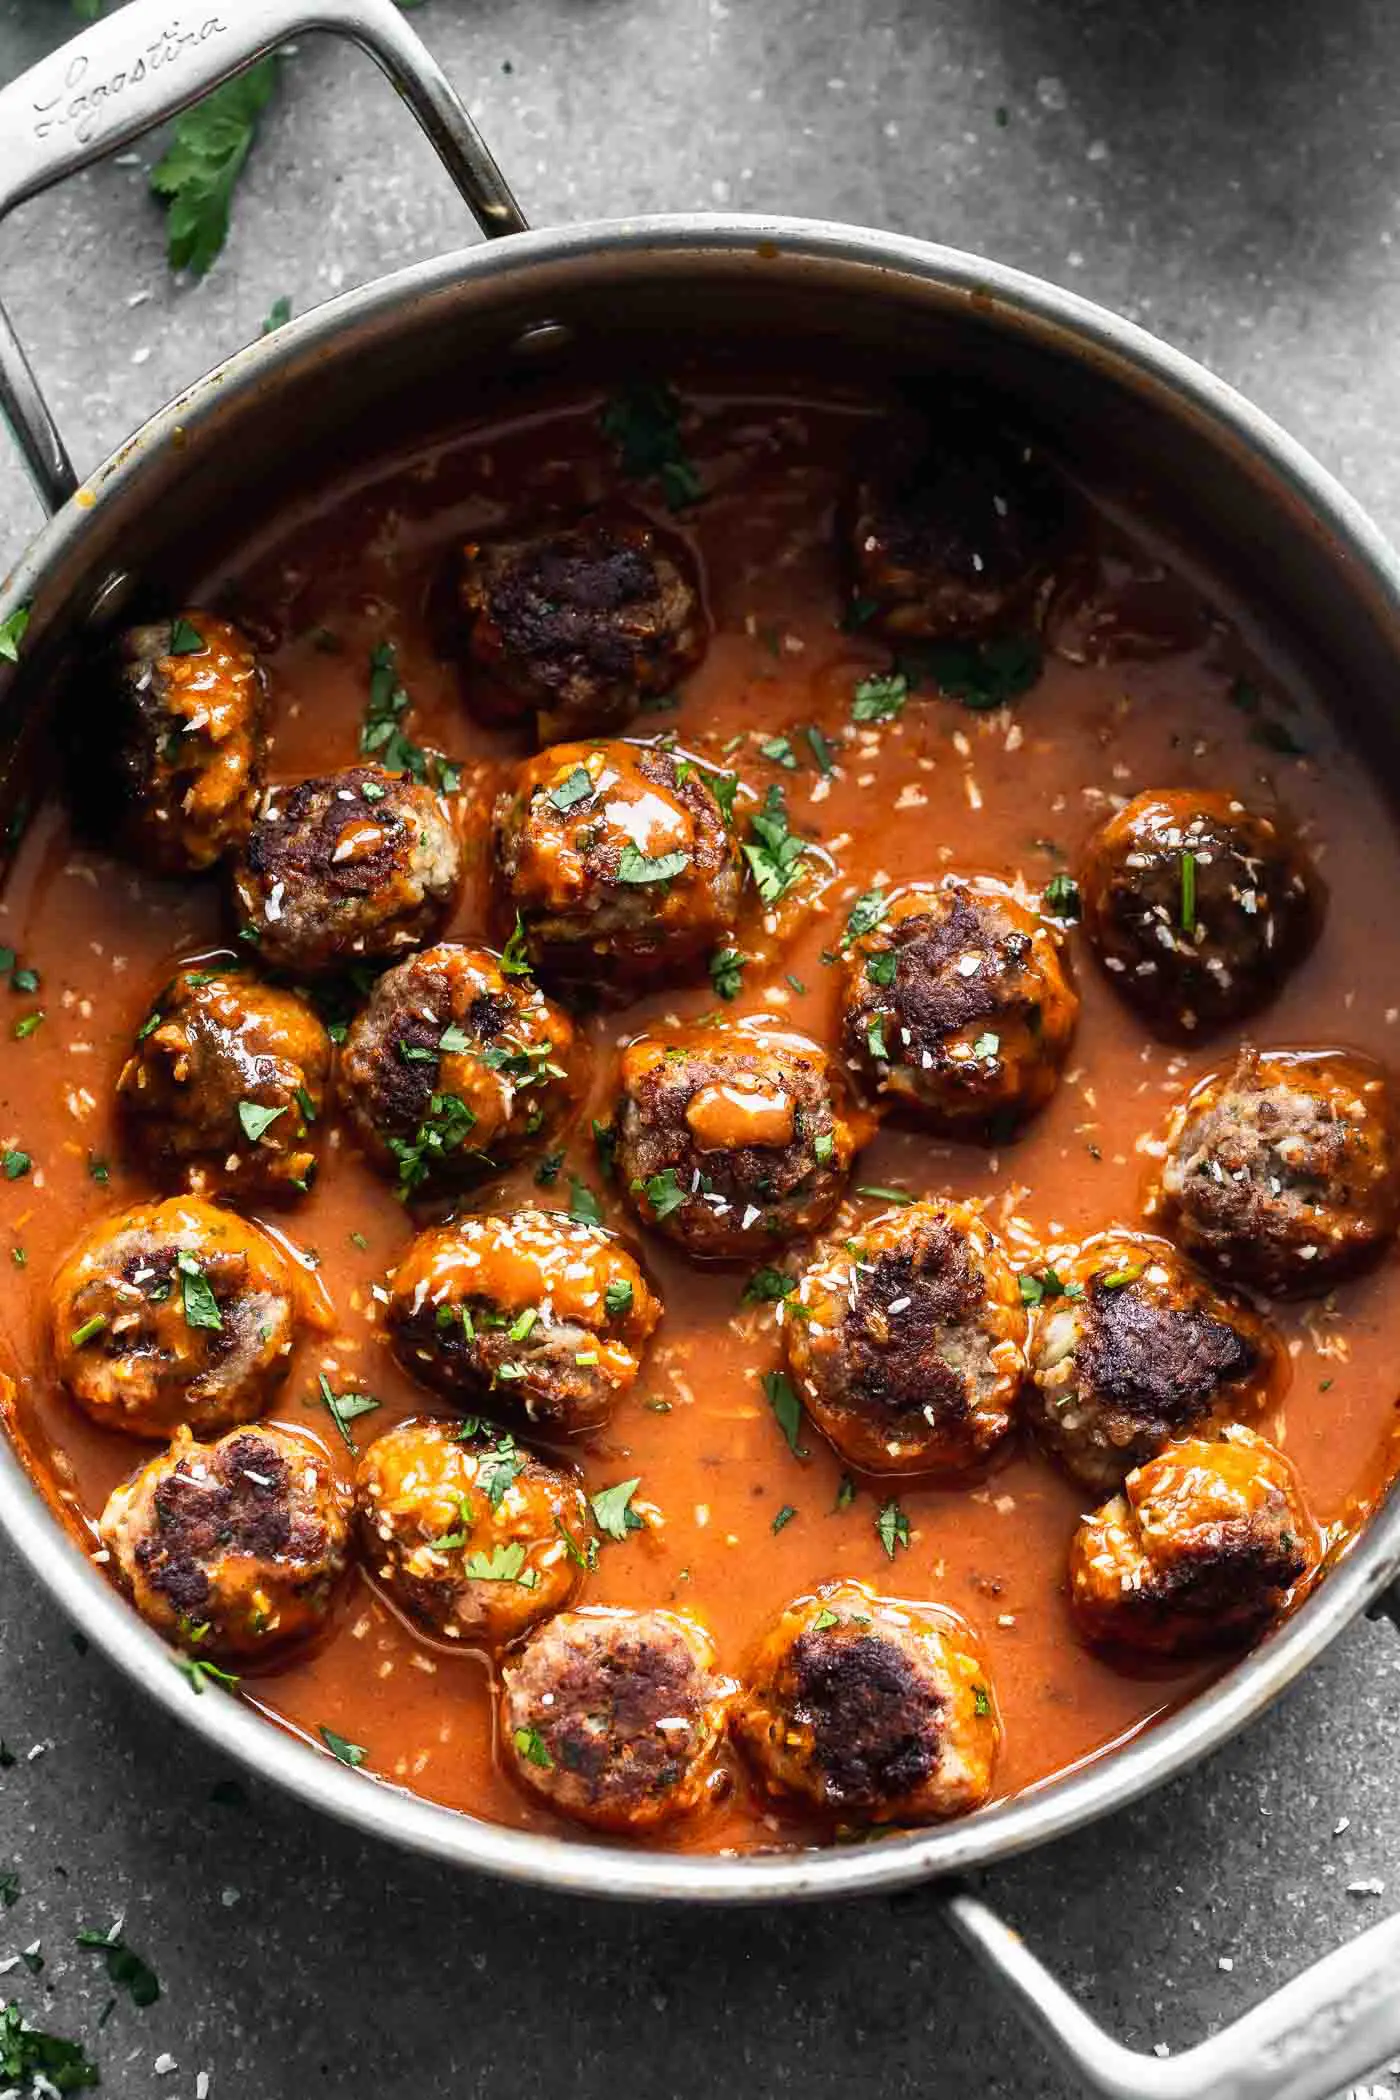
<point>581,626</point>
<point>958,1006</point>
<point>906,1341</point>
<point>530,1312</point>
<point>1198,907</point>
<point>454,1068</point>
<point>226,1083</point>
<point>352,867</point>
<point>618,863</point>
<point>189,741</point>
<point>173,1314</point>
<point>616,1717</point>
<point>731,1139</point>
<point>1204,1546</point>
<point>1284,1172</point>
<point>232,1548</point>
<point>473,1536</point>
<point>1131,1346</point>
<point>955,527</point>
<point>870,1709</point>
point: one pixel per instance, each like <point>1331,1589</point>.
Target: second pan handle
<point>134,69</point>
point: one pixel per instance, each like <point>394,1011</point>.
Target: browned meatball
<point>226,1083</point>
<point>958,1005</point>
<point>1132,1346</point>
<point>189,740</point>
<point>618,862</point>
<point>732,1139</point>
<point>1283,1172</point>
<point>534,1311</point>
<point>454,1069</point>
<point>474,1537</point>
<point>616,1717</point>
<point>582,625</point>
<point>870,1709</point>
<point>352,867</point>
<point>173,1314</point>
<point>906,1340</point>
<point>955,527</point>
<point>1198,907</point>
<point>1204,1546</point>
<point>235,1547</point>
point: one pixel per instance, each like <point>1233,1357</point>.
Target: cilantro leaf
<point>772,850</point>
<point>1061,897</point>
<point>892,1527</point>
<point>197,177</point>
<point>504,1563</point>
<point>663,1192</point>
<point>12,632</point>
<point>257,1120</point>
<point>643,421</point>
<point>635,867</point>
<point>767,1287</point>
<point>515,956</point>
<point>352,1754</point>
<point>613,1511</point>
<point>787,1408</point>
<point>584,1207</point>
<point>201,1307</point>
<point>983,675</point>
<point>125,1968</point>
<point>345,1408</point>
<point>618,1298</point>
<point>727,972</point>
<point>28,2053</point>
<point>529,1744</point>
<point>880,698</point>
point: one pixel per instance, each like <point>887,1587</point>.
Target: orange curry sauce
<point>1013,791</point>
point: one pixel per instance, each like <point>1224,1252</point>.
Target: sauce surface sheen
<point>1013,792</point>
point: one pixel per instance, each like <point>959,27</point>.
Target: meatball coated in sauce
<point>616,1717</point>
<point>1204,1546</point>
<point>529,1311</point>
<point>225,1084</point>
<point>473,1537</point>
<point>173,1314</point>
<point>731,1140</point>
<point>189,741</point>
<point>234,1547</point>
<point>1284,1172</point>
<point>1198,907</point>
<point>1131,1346</point>
<point>582,625</point>
<point>454,1068</point>
<point>358,866</point>
<point>870,1709</point>
<point>907,1341</point>
<point>954,529</point>
<point>958,1006</point>
<point>617,860</point>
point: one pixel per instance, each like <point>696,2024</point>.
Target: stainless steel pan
<point>1253,501</point>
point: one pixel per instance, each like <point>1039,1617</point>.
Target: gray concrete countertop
<point>1224,172</point>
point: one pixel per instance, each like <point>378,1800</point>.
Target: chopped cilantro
<point>783,1518</point>
<point>663,1192</point>
<point>1116,1278</point>
<point>1045,1288</point>
<point>982,675</point>
<point>12,631</point>
<point>505,1563</point>
<point>28,2054</point>
<point>639,868</point>
<point>779,750</point>
<point>772,851</point>
<point>515,956</point>
<point>727,972</point>
<point>1188,893</point>
<point>185,638</point>
<point>257,1120</point>
<point>201,1671</point>
<point>880,698</point>
<point>382,734</point>
<point>98,1169</point>
<point>576,787</point>
<point>981,1700</point>
<point>613,1511</point>
<point>1061,897</point>
<point>26,1026</point>
<point>892,1527</point>
<point>586,1555</point>
<point>201,1307</point>
<point>605,1145</point>
<point>643,421</point>
<point>821,750</point>
<point>767,1286</point>
<point>352,1754</point>
<point>25,980</point>
<point>825,1619</point>
<point>845,1492</point>
<point>125,1968</point>
<point>884,1195</point>
<point>865,915</point>
<point>444,1130</point>
<point>787,1409</point>
<point>16,1164</point>
<point>199,172</point>
<point>547,1172</point>
<point>529,1744</point>
<point>277,315</point>
<point>345,1408</point>
<point>618,1298</point>
<point>986,1045</point>
<point>584,1207</point>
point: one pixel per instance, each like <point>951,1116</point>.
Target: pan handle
<point>146,62</point>
<point>1325,2029</point>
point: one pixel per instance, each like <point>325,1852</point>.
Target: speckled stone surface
<point>1226,173</point>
